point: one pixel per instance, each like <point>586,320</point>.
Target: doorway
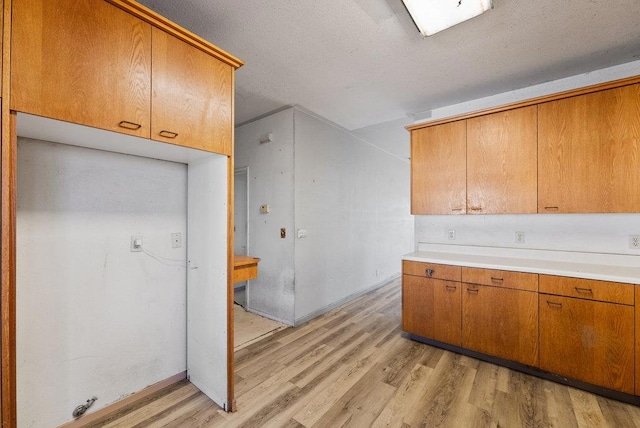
<point>248,327</point>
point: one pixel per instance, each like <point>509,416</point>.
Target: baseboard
<point>271,317</point>
<point>114,407</point>
<point>325,309</point>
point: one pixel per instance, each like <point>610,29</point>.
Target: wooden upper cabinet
<point>502,162</point>
<point>192,96</point>
<point>81,61</point>
<point>589,153</point>
<point>438,169</point>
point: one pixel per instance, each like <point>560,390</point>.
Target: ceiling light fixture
<point>431,16</point>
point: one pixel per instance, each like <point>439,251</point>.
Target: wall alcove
<point>209,357</point>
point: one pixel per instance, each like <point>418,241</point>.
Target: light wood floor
<point>250,328</point>
<point>351,367</point>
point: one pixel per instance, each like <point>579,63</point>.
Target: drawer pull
<point>551,208</point>
<point>168,134</point>
<point>584,290</point>
<point>451,288</point>
<point>129,125</point>
<point>456,209</point>
<point>475,208</point>
<point>554,304</point>
<point>472,290</point>
<point>430,272</point>
<point>494,279</point>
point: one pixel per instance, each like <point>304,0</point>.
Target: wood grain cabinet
<point>581,329</point>
<point>82,61</point>
<point>91,63</point>
<point>501,322</point>
<point>431,308</point>
<point>588,340</point>
<point>431,301</point>
<point>502,162</point>
<point>191,96</point>
<point>438,169</point>
<point>588,150</point>
<point>637,339</point>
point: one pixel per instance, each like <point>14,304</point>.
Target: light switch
<point>302,233</point>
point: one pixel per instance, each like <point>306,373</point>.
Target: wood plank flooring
<point>351,367</point>
<point>250,328</point>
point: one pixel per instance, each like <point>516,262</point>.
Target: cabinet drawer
<point>431,270</point>
<point>603,291</point>
<point>501,278</point>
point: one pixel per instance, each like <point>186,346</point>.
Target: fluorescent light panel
<point>432,16</point>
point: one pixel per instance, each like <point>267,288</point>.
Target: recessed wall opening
<point>93,317</point>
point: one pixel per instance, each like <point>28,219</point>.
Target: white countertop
<point>547,263</point>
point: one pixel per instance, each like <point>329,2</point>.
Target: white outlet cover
<point>634,242</point>
<point>136,243</point>
<point>176,240</point>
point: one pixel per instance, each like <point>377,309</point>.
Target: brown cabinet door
<point>192,96</point>
<point>81,61</point>
<point>501,322</point>
<point>637,314</point>
<point>588,340</point>
<point>431,309</point>
<point>502,162</point>
<point>588,153</point>
<point>438,169</point>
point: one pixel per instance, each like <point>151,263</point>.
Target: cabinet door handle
<point>451,288</point>
<point>129,125</point>
<point>551,208</point>
<point>430,272</point>
<point>554,304</point>
<point>168,134</point>
<point>584,290</point>
<point>475,208</point>
<point>472,290</point>
<point>456,209</point>
<point>494,279</point>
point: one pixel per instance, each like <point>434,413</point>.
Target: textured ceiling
<point>362,63</point>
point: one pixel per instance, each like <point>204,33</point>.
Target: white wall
<point>353,200</point>
<point>270,182</point>
<point>350,196</point>
<point>597,233</point>
<point>94,318</point>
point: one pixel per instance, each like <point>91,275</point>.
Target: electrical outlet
<point>451,234</point>
<point>634,242</point>
<point>176,240</point>
<point>136,243</point>
<point>519,237</point>
<point>283,232</point>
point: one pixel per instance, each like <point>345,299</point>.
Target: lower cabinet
<point>501,322</point>
<point>581,329</point>
<point>588,340</point>
<point>431,308</point>
<point>637,342</point>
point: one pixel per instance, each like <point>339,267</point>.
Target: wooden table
<point>244,268</point>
